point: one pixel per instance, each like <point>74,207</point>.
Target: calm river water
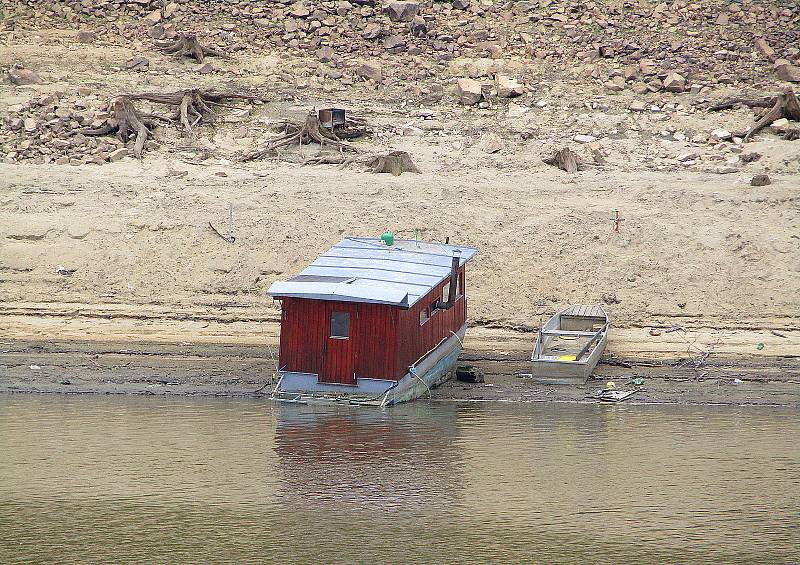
<point>152,480</point>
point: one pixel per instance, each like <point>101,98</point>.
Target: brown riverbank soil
<point>209,358</point>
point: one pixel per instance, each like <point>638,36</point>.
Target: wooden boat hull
<point>547,367</point>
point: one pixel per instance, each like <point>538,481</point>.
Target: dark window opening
<point>340,325</point>
<point>423,316</point>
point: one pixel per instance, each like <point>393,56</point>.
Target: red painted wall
<point>385,339</point>
<point>305,328</point>
<point>414,340</point>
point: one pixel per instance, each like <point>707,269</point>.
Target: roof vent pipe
<point>451,296</point>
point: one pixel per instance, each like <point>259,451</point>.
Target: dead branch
<point>187,45</point>
<point>731,103</point>
<point>395,162</point>
<point>566,160</point>
<point>312,131</point>
<point>784,105</point>
<point>328,159</point>
<point>126,122</point>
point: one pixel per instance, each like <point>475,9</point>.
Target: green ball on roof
<point>388,238</point>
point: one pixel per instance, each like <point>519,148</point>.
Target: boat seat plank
<point>568,332</point>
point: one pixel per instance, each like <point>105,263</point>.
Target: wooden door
<point>338,365</point>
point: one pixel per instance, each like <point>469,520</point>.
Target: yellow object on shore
<point>610,385</point>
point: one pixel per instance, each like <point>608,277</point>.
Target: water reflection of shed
<point>405,457</point>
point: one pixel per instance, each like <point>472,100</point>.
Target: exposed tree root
<point>193,107</point>
<point>187,45</point>
<point>784,105</point>
<point>395,162</point>
<point>566,160</point>
<point>312,131</point>
<point>126,122</point>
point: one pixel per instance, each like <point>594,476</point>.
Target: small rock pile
<point>46,130</point>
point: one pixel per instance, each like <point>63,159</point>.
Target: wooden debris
<point>193,106</point>
<point>312,131</point>
<point>187,45</point>
<point>566,160</point>
<point>784,105</point>
<point>126,122</point>
<point>395,162</point>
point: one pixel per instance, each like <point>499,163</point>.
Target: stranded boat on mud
<point>372,321</point>
<point>570,344</point>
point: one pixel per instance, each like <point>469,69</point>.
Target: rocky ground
<point>480,94</point>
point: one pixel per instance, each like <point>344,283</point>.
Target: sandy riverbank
<point>111,279</point>
<point>212,358</point>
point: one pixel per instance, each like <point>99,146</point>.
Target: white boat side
<point>570,323</point>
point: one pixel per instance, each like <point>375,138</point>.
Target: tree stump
<point>565,160</point>
<point>187,45</point>
<point>311,131</point>
<point>125,122</point>
<point>396,162</point>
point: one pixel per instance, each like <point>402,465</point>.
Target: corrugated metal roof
<point>361,269</point>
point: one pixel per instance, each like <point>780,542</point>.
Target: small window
<point>340,325</point>
<point>423,316</point>
<point>434,306</point>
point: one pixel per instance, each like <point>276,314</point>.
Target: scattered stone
<point>616,84</point>
<point>491,143</point>
<point>137,63</point>
<point>394,43</point>
<point>86,36</point>
<point>786,71</point>
<point>204,68</point>
<point>780,125</point>
<point>325,54</point>
<point>763,47</point>
<point>584,138</point>
<point>508,87</point>
<point>674,82</point>
<point>637,106</point>
<point>30,125</point>
<point>21,76</point>
<point>418,26</point>
<point>153,17</point>
<point>760,180</point>
<point>370,71</point>
<point>685,157</point>
<point>402,11</point>
<point>718,135</point>
<point>469,91</point>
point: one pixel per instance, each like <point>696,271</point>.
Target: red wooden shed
<point>373,319</point>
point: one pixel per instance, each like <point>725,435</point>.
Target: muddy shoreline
<point>248,370</point>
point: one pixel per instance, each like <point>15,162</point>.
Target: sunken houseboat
<point>373,321</point>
